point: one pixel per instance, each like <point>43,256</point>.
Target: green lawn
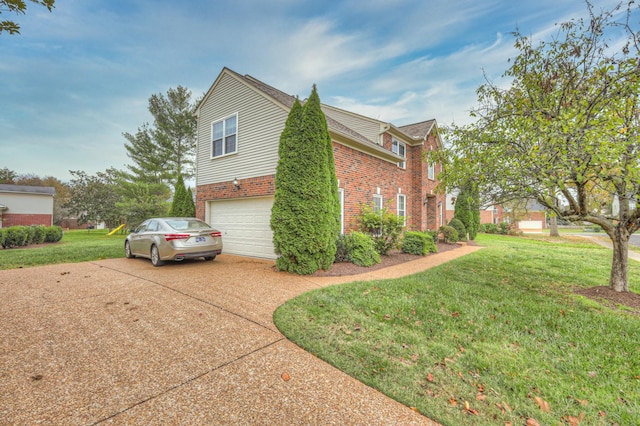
<point>75,246</point>
<point>494,337</point>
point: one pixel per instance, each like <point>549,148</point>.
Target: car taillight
<point>170,237</point>
<point>216,234</point>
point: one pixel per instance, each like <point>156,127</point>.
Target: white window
<point>431,171</point>
<point>341,194</point>
<point>377,203</point>
<point>399,148</point>
<point>224,136</point>
<point>402,208</point>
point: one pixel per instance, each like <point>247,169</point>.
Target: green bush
<point>342,254</point>
<point>449,234</point>
<point>489,228</point>
<point>53,234</point>
<point>2,236</point>
<point>361,249</point>
<point>459,226</point>
<point>16,236</point>
<point>421,243</point>
<point>383,226</point>
<point>503,228</point>
<point>39,233</point>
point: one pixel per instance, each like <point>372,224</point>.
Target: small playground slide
<point>116,230</point>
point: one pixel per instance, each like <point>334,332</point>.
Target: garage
<point>245,226</point>
<point>530,225</point>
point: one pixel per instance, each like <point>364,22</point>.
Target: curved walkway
<point>121,342</point>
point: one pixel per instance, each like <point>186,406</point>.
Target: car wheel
<point>155,256</point>
<point>127,250</point>
<point>210,257</point>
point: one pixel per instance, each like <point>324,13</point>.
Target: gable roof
<point>340,132</point>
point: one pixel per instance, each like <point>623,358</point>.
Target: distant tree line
<point>162,155</point>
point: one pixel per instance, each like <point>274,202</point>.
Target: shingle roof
<point>421,129</point>
<point>5,187</point>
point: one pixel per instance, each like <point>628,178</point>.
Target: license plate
<point>201,239</point>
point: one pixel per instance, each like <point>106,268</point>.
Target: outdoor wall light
<point>236,183</point>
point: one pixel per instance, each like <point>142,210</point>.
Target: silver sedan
<point>173,238</point>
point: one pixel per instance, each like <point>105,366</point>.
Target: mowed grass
<point>75,246</point>
<point>494,338</point>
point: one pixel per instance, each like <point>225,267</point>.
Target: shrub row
<point>20,236</point>
<point>361,249</point>
<point>491,228</point>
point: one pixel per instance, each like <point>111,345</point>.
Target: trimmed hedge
<point>459,226</point>
<point>420,243</point>
<point>449,234</point>
<point>20,236</point>
<point>357,248</point>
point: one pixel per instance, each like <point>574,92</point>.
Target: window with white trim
<point>399,148</point>
<point>341,194</point>
<point>402,208</point>
<point>377,203</point>
<point>224,136</point>
<point>431,171</point>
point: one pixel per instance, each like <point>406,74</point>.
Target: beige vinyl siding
<point>367,127</point>
<point>260,123</point>
<point>21,203</point>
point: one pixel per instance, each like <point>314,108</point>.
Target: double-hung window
<point>402,208</point>
<point>399,148</point>
<point>377,203</point>
<point>431,171</point>
<point>224,136</point>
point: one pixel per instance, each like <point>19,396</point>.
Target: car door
<point>135,240</point>
<point>147,237</point>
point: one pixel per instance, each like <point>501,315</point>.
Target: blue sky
<point>76,79</point>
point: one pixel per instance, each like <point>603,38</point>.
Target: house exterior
<point>26,205</point>
<point>492,214</point>
<point>240,120</point>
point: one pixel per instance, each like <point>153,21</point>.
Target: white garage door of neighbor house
<point>245,226</point>
<point>530,224</point>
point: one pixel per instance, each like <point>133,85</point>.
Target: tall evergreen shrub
<point>467,210</point>
<point>182,205</point>
<point>305,215</point>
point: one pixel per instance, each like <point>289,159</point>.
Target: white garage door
<point>530,224</point>
<point>244,224</point>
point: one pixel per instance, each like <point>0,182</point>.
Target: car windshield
<point>183,224</point>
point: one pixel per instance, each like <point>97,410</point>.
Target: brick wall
<point>359,175</point>
<point>9,219</point>
<point>251,187</point>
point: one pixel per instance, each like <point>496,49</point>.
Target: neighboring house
<point>26,205</point>
<point>240,120</point>
<point>491,214</point>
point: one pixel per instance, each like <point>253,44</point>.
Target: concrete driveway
<point>121,342</point>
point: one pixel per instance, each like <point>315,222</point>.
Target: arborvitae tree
<point>180,206</point>
<point>191,205</point>
<point>304,217</point>
<point>467,209</point>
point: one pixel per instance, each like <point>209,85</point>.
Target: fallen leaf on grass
<point>572,420</point>
<point>430,377</point>
<point>544,405</point>
<point>481,397</point>
<point>532,422</point>
<point>453,402</point>
<point>415,409</point>
<point>468,409</point>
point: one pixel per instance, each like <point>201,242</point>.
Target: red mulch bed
<point>612,298</point>
<point>394,258</point>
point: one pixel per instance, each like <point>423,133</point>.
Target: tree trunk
<point>553,227</point>
<point>620,264</point>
